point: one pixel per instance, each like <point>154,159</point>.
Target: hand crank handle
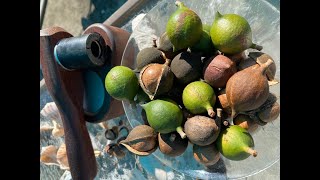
<point>65,89</point>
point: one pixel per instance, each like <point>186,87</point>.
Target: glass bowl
<point>264,20</point>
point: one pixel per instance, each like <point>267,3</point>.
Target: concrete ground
<point>75,15</point>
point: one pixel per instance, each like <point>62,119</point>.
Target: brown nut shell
<point>224,103</point>
<point>48,155</point>
<point>248,89</point>
<point>270,113</point>
<point>262,58</point>
<point>118,152</point>
<point>156,79</point>
<point>218,70</point>
<point>207,155</point>
<point>267,112</point>
<point>172,144</point>
<point>245,122</point>
<point>142,140</point>
<point>237,58</point>
<point>247,62</point>
<point>186,67</point>
<point>201,130</point>
<point>62,157</point>
<point>147,56</point>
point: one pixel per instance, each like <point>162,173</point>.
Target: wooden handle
<point>66,89</point>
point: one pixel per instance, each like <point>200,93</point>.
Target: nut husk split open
<point>262,58</point>
<point>156,79</point>
<point>62,157</point>
<point>142,140</point>
<point>49,155</point>
<point>114,150</point>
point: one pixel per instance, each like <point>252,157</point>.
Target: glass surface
<point>109,167</point>
<point>264,20</point>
